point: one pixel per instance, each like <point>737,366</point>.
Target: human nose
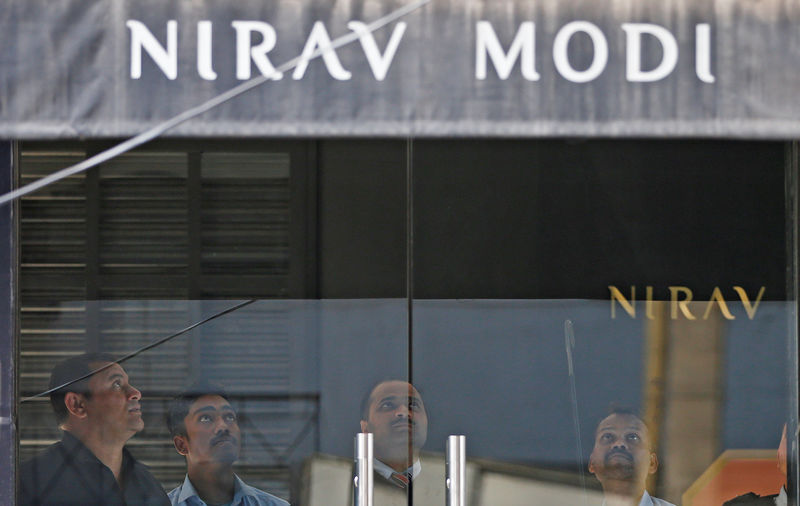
<point>133,393</point>
<point>221,425</point>
<point>402,411</point>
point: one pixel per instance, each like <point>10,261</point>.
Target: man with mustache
<point>205,430</point>
<point>90,465</point>
<point>394,413</point>
<point>622,459</point>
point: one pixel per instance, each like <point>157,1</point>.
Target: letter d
<point>634,72</point>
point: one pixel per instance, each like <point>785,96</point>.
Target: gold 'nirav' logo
<point>680,297</point>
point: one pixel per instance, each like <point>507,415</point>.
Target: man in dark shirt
<point>90,465</point>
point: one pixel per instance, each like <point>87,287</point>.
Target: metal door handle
<point>456,474</point>
<point>363,480</point>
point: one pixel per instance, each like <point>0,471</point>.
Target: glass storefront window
<point>543,297</point>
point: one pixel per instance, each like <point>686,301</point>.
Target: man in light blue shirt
<point>205,430</point>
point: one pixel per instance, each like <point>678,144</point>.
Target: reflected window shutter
<point>133,218</point>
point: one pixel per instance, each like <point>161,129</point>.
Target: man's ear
<point>653,463</point>
<point>364,425</point>
<point>591,465</point>
<point>76,404</point>
<point>181,445</point>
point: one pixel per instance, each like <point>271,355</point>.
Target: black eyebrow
<point>396,398</point>
<point>206,409</point>
<point>637,428</point>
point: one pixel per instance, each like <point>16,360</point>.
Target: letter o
<point>561,58</point>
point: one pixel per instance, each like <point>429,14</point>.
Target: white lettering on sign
<point>489,49</point>
<point>523,46</point>
<point>633,64</point>
<point>254,40</point>
<point>379,63</point>
<point>703,53</point>
<point>204,59</point>
<point>166,59</point>
<point>561,59</point>
<point>319,40</point>
<point>245,51</point>
<point>247,54</point>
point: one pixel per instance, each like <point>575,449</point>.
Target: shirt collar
<point>240,491</point>
<point>76,448</point>
<point>645,501</point>
<point>387,471</point>
<point>187,491</point>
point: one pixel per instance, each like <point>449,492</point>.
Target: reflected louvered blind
<point>143,226</point>
<point>110,259</point>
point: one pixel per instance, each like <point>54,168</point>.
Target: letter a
<point>319,42</point>
<point>716,295</point>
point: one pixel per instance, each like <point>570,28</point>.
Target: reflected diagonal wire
<point>171,123</point>
<point>569,343</point>
<point>145,348</point>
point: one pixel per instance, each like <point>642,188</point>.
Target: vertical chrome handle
<point>456,473</point>
<point>364,468</point>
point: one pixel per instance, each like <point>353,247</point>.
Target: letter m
<point>166,59</point>
<point>523,46</point>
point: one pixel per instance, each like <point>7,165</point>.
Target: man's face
<point>397,418</point>
<point>622,450</point>
<point>212,432</point>
<point>113,408</point>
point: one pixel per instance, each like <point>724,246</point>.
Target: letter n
<point>626,305</point>
<point>166,59</point>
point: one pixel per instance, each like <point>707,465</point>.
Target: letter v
<point>751,309</point>
<point>378,63</point>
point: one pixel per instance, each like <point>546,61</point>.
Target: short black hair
<point>616,409</point>
<point>179,406</point>
<point>367,398</point>
<point>65,373</point>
